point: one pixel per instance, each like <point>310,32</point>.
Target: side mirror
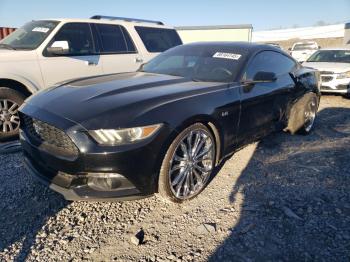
<point>58,48</point>
<point>289,49</point>
<point>264,77</point>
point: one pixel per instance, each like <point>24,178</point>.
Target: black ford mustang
<point>164,128</point>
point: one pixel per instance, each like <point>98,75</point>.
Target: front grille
<point>326,73</point>
<point>326,78</point>
<point>49,136</point>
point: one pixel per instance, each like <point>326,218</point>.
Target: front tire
<point>10,101</point>
<point>303,114</point>
<point>188,164</point>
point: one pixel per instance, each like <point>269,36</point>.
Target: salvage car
<point>45,52</point>
<point>301,51</point>
<point>166,127</point>
<point>334,66</point>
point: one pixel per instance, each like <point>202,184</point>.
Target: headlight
<point>344,75</point>
<point>113,137</point>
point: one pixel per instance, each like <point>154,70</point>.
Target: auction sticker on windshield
<point>41,29</point>
<point>227,55</point>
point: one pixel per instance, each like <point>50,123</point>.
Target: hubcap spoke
<point>196,143</point>
<point>204,152</point>
<point>5,103</point>
<point>180,184</point>
<point>201,169</point>
<point>179,158</point>
<point>184,149</point>
<point>13,109</point>
<point>179,177</point>
<point>198,177</point>
<point>200,145</point>
<point>189,144</point>
<point>14,120</point>
<point>187,185</point>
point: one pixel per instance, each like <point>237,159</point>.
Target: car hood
<point>117,100</point>
<point>333,67</point>
<point>16,55</point>
<point>306,51</point>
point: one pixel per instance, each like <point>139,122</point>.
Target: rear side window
<point>129,42</point>
<point>111,39</point>
<point>270,61</point>
<point>78,36</point>
<point>158,39</point>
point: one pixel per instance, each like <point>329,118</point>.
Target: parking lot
<point>284,198</point>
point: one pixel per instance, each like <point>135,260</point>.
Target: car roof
<point>252,47</point>
<point>337,48</point>
<point>305,43</point>
<point>108,21</point>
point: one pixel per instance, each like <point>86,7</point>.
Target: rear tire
<point>10,101</point>
<point>188,164</point>
<point>302,115</point>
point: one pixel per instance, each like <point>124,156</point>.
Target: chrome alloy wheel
<point>191,164</point>
<point>310,115</point>
<point>9,119</point>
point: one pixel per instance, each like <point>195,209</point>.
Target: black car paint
<point>238,113</point>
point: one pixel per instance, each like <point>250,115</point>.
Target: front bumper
<point>330,84</point>
<point>97,172</point>
<point>74,187</point>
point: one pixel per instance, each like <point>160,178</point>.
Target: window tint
<point>196,62</point>
<point>78,36</point>
<point>158,39</point>
<point>269,61</point>
<point>332,56</point>
<point>129,42</point>
<point>112,39</point>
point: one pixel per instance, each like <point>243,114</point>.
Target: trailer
<point>5,31</point>
<point>190,34</point>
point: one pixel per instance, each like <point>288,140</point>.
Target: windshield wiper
<point>6,46</point>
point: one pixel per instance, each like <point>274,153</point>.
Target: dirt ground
<point>285,198</point>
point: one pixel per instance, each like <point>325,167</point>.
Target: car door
<point>263,105</point>
<point>117,50</point>
<point>80,59</point>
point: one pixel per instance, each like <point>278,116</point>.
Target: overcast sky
<point>262,14</point>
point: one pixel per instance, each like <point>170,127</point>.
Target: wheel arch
<point>208,121</point>
<point>205,120</point>
<point>16,85</point>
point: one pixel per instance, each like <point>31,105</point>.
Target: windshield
<point>199,63</point>
<point>332,56</point>
<point>299,47</point>
<point>29,36</point>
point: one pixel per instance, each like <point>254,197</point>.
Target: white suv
<point>43,53</point>
<point>301,51</point>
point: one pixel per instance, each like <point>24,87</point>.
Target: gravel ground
<point>285,198</point>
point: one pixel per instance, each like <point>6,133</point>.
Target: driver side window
<point>269,61</point>
<point>78,36</point>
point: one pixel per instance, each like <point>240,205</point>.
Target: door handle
<point>90,63</point>
<point>138,60</point>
